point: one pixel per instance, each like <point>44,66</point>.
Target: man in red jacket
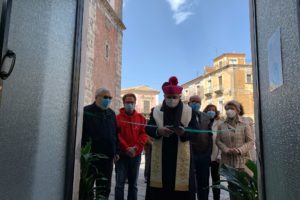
<point>132,138</point>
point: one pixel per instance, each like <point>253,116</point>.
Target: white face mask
<point>230,113</point>
<point>172,103</point>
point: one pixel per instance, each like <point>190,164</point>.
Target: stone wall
<point>104,51</point>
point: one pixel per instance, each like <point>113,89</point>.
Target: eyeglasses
<point>107,97</point>
<point>195,102</point>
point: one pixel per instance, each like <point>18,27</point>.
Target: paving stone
<point>142,186</point>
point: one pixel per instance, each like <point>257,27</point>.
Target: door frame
<point>73,115</point>
<point>257,100</point>
<point>74,105</point>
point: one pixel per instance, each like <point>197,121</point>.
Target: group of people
<point>187,145</point>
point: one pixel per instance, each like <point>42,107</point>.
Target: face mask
<point>230,113</point>
<point>195,106</point>
<point>129,107</point>
<point>104,103</point>
<point>172,103</point>
<point>211,114</point>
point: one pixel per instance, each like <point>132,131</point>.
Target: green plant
<point>87,179</point>
<point>240,184</point>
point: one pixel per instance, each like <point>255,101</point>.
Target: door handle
<point>8,57</point>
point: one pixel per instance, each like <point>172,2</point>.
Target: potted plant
<point>240,184</point>
<point>87,189</point>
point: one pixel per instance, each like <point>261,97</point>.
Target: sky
<point>165,38</point>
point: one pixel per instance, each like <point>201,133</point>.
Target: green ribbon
<point>155,126</point>
<point>186,129</point>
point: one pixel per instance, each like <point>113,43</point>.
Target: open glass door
<point>1,82</point>
<point>7,56</point>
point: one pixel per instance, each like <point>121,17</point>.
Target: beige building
<point>147,98</point>
<point>229,78</point>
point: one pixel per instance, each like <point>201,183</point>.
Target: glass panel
<point>1,87</point>
<point>1,82</point>
<point>34,112</point>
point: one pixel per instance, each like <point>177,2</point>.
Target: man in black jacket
<point>100,128</point>
<point>201,148</point>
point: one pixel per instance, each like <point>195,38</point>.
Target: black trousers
<point>201,164</point>
<point>147,164</point>
<point>103,177</point>
<point>214,168</point>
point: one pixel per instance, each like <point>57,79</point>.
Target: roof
<point>192,81</point>
<point>230,55</point>
<point>142,88</point>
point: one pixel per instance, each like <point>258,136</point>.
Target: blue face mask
<point>211,114</point>
<point>129,107</point>
<point>195,106</point>
<point>104,103</point>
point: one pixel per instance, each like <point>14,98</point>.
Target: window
<point>106,51</point>
<point>209,83</point>
<point>232,61</point>
<point>220,106</point>
<point>220,82</point>
<point>198,90</point>
<point>220,64</point>
<point>146,106</point>
<point>249,78</point>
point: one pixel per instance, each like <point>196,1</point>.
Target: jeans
<point>202,164</point>
<point>127,168</point>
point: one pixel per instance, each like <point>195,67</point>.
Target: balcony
<point>219,89</point>
<point>208,92</point>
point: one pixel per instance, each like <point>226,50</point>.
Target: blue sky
<point>180,37</point>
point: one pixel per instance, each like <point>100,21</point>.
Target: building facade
<point>104,49</point>
<point>229,78</point>
<point>147,98</point>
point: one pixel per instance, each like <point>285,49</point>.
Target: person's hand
<point>116,158</point>
<point>233,151</point>
<point>131,152</point>
<point>164,131</point>
<point>236,151</point>
<point>179,131</point>
<point>229,151</point>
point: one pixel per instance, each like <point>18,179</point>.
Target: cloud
<point>181,16</point>
<point>181,10</point>
<point>175,4</point>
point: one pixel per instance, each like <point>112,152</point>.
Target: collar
<point>238,120</point>
<point>98,108</point>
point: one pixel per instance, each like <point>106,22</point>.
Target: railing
<point>218,89</point>
<point>208,91</point>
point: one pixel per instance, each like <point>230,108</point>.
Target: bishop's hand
<point>164,131</point>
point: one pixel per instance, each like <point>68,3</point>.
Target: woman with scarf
<point>171,176</point>
<point>235,140</point>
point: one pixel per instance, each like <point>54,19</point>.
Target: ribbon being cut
<point>185,129</point>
